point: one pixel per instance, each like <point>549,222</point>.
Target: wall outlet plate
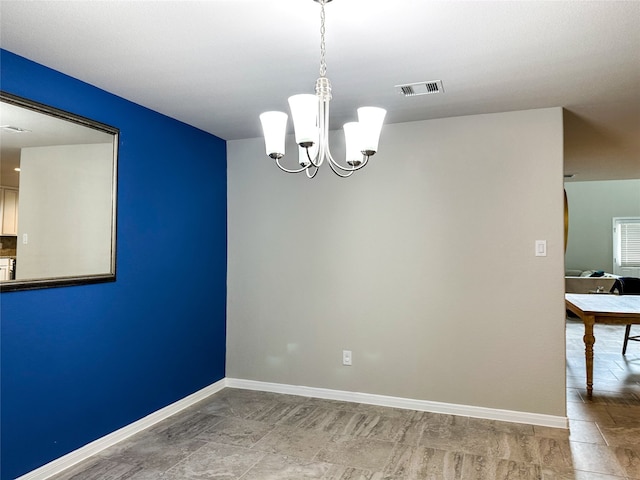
<point>346,357</point>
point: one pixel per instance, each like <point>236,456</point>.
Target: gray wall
<point>592,205</point>
<point>422,264</point>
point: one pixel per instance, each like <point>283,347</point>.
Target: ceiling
<point>218,64</point>
<point>41,130</point>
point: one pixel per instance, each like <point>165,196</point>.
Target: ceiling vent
<point>12,129</point>
<point>420,88</point>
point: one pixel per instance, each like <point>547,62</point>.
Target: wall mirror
<point>58,174</point>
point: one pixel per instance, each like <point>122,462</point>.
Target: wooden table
<point>601,308</point>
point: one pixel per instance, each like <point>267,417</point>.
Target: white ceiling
<point>218,64</point>
<point>42,130</point>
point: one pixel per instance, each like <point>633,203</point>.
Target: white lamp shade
<point>371,119</point>
<point>353,142</point>
<point>304,112</point>
<point>274,126</point>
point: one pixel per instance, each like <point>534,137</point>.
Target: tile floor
<point>246,435</point>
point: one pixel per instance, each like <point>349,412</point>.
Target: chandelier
<point>310,114</point>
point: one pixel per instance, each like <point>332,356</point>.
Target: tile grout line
<point>252,466</point>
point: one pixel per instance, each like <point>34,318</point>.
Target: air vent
<point>421,88</point>
<point>12,129</point>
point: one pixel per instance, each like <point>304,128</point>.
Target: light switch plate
<point>541,248</point>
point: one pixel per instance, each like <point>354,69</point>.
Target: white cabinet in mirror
<point>9,210</point>
<point>64,168</point>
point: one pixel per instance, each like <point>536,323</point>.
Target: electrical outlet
<point>346,357</point>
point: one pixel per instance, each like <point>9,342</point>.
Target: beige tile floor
<point>246,435</point>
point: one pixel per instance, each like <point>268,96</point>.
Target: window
<point>626,244</point>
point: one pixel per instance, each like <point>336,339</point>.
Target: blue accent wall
<point>80,362</point>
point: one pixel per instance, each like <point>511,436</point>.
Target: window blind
<point>629,244</point>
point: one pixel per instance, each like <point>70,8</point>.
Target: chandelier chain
<point>323,61</point>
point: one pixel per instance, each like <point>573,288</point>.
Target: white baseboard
<point>407,403</point>
<point>72,458</point>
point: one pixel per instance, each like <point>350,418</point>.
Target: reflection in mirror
<point>57,197</point>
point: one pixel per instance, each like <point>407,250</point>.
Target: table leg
<point>589,340</point>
